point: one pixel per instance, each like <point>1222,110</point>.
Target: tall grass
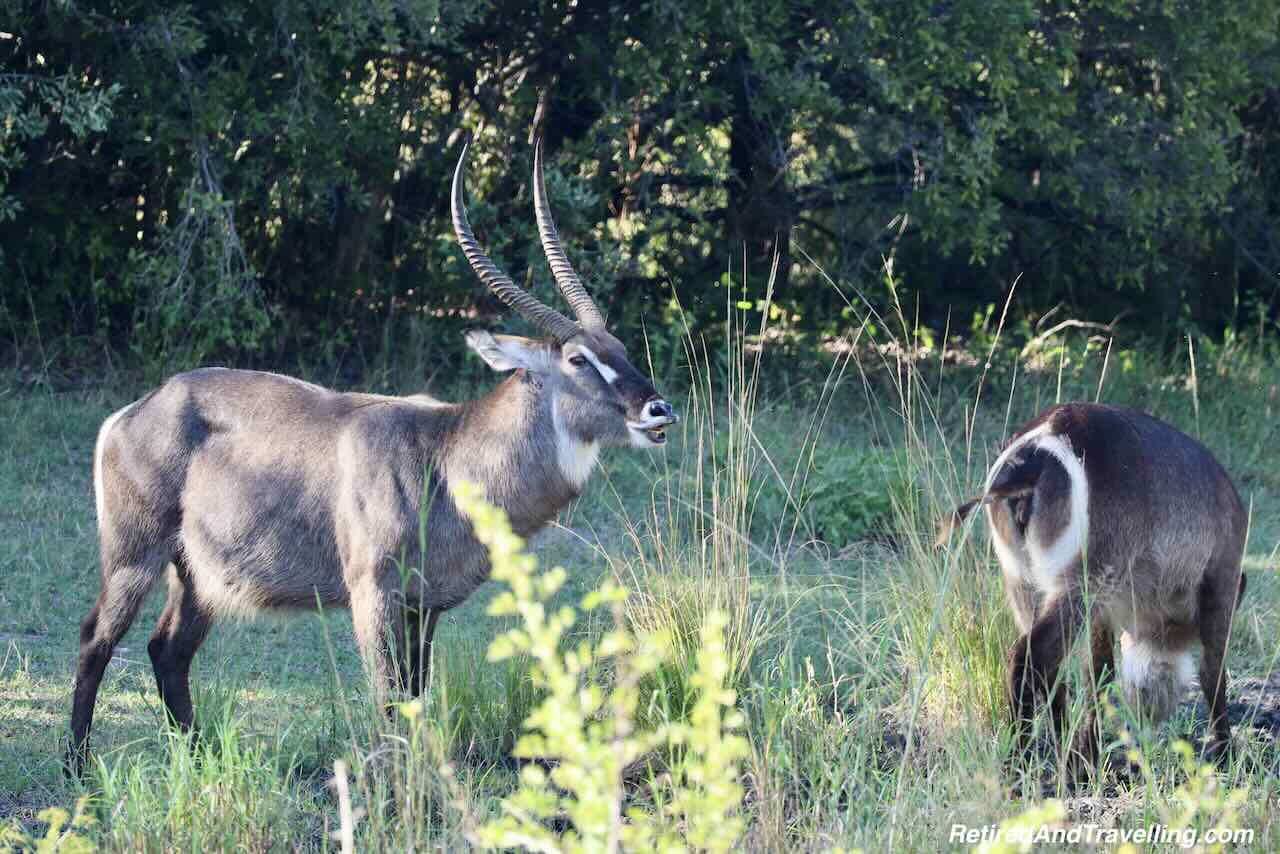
<point>870,672</point>
<point>724,512</point>
<point>223,791</point>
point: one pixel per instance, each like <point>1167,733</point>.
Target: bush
<point>64,832</point>
<point>584,730</point>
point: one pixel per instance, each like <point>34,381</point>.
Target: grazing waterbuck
<point>251,491</point>
<point>1107,516</point>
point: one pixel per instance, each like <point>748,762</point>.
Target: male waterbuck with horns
<point>252,491</point>
<point>1108,516</point>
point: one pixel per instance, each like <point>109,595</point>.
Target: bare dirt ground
<point>1254,707</point>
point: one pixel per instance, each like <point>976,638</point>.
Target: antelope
<point>1106,516</point>
<point>250,492</point>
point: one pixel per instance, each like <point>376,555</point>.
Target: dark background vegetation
<point>253,180</point>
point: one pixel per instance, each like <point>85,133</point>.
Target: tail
<point>1013,478</point>
<point>954,520</point>
<point>1012,482</point>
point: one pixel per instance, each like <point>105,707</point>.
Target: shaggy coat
<point>253,492</point>
<point>1106,516</point>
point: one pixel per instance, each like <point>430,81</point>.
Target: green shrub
<point>840,494</point>
<point>582,738</point>
<point>846,497</point>
<point>64,832</point>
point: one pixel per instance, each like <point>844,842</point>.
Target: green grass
<point>869,665</point>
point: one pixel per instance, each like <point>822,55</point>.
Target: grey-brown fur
<point>1161,559</point>
<point>252,491</point>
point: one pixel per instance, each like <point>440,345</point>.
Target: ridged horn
<point>570,285</point>
<point>499,283</point>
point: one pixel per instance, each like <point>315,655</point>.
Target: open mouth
<point>651,434</point>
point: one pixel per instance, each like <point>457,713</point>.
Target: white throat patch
<point>576,457</point>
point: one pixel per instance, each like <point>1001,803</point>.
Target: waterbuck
<point>1107,516</point>
<point>252,491</point>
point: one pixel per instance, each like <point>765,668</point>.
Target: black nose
<point>661,409</point>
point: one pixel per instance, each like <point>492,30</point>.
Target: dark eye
<point>578,360</point>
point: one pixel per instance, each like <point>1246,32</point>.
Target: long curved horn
<point>544,317</point>
<point>570,284</point>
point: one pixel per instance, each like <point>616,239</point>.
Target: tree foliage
<point>196,179</point>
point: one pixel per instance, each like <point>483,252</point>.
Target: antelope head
<point>600,398</point>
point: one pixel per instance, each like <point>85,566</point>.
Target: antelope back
<point>1142,504</point>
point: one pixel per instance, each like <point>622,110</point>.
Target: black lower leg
<point>1217,603</point>
<point>416,662</point>
<point>1102,666</point>
<point>1034,663</point>
<point>182,629</point>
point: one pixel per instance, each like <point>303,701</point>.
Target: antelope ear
<point>503,352</point>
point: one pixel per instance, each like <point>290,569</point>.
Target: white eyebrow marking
<point>609,374</point>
